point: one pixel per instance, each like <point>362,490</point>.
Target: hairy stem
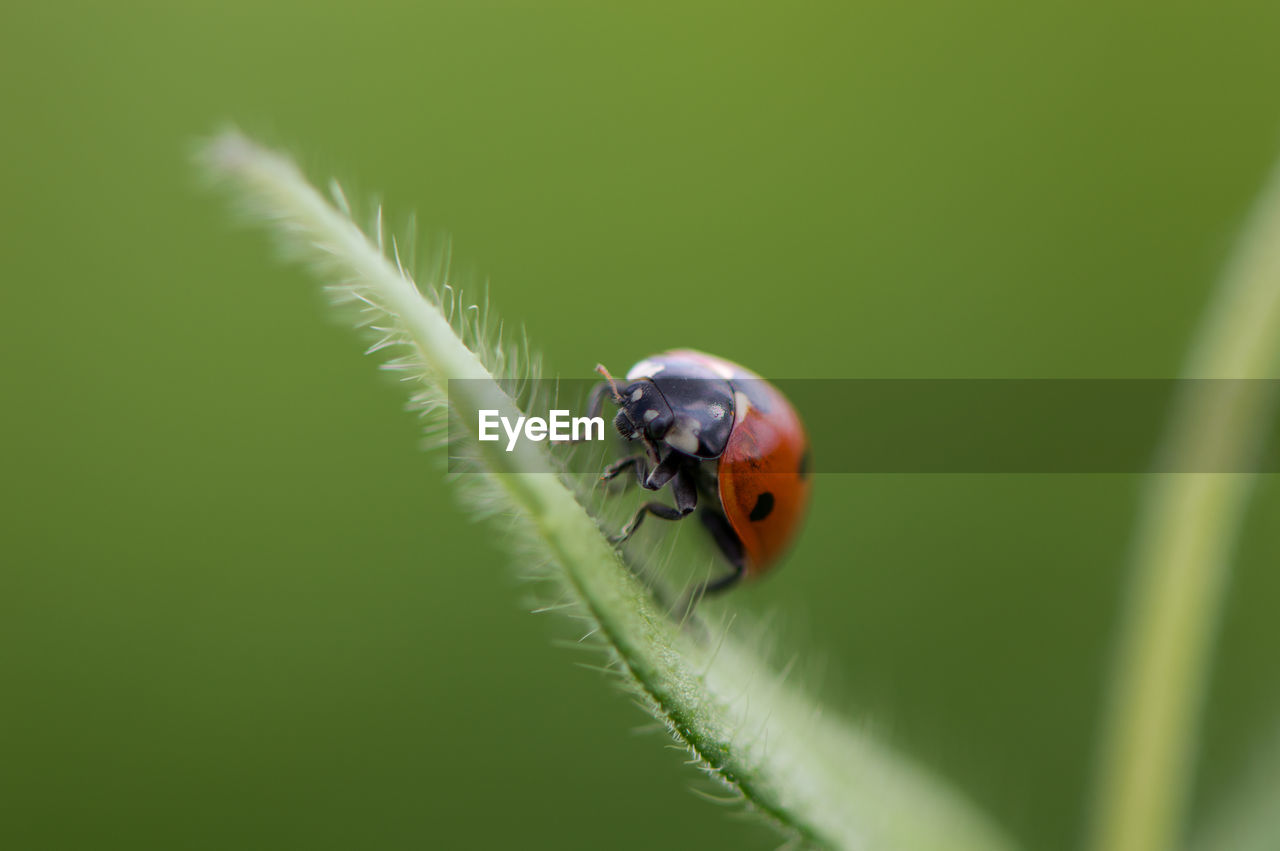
<point>1182,558</point>
<point>819,779</point>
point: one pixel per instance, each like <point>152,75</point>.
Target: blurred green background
<point>240,609</point>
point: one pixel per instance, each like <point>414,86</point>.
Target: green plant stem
<point>1182,558</point>
<point>1246,817</point>
<point>819,779</point>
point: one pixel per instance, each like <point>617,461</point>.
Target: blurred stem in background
<point>1246,818</point>
<point>1182,558</point>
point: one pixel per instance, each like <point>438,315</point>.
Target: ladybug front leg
<point>683,489</point>
<point>632,462</point>
<point>595,399</point>
<point>662,473</point>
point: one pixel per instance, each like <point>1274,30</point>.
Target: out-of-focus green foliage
<point>230,600</point>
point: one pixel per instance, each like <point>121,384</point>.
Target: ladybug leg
<point>663,470</point>
<point>722,533</point>
<point>617,468</point>
<point>682,488</point>
<point>672,467</point>
<point>726,539</point>
<point>595,399</point>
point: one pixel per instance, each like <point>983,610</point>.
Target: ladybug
<point>713,428</point>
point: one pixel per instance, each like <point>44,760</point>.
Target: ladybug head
<point>642,412</point>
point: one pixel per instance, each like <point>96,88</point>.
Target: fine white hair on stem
<point>818,779</point>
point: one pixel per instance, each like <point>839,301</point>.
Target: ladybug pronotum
<point>713,429</point>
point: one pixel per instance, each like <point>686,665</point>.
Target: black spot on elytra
<point>763,507</point>
<point>803,469</point>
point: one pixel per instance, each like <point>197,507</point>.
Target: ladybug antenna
<point>617,394</point>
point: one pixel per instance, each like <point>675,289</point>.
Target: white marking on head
<point>636,394</point>
<point>650,415</point>
<point>645,369</point>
